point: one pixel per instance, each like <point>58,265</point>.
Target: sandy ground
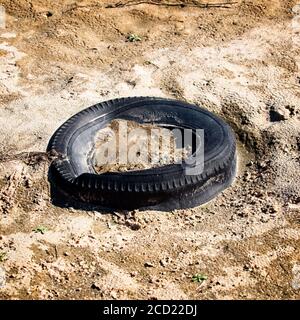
<point>242,63</point>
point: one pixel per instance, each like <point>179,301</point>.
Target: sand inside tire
<point>127,146</point>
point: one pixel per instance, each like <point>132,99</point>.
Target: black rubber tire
<point>167,187</point>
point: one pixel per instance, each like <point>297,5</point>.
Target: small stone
<point>48,14</point>
<point>162,263</point>
<point>278,114</point>
<point>148,265</point>
<point>274,208</point>
<point>165,262</point>
<point>134,225</point>
<point>247,176</point>
<point>247,267</point>
<point>259,194</point>
<point>151,280</point>
<point>114,294</point>
<point>28,183</point>
<point>96,286</point>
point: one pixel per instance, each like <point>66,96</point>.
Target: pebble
<point>148,265</point>
<point>95,286</point>
<point>162,263</point>
<point>114,294</point>
<point>247,176</point>
<point>165,262</point>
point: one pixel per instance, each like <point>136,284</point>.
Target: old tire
<point>167,187</point>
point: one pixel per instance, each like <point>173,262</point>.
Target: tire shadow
<point>62,200</point>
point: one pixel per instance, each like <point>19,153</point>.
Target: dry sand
<point>241,63</point>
